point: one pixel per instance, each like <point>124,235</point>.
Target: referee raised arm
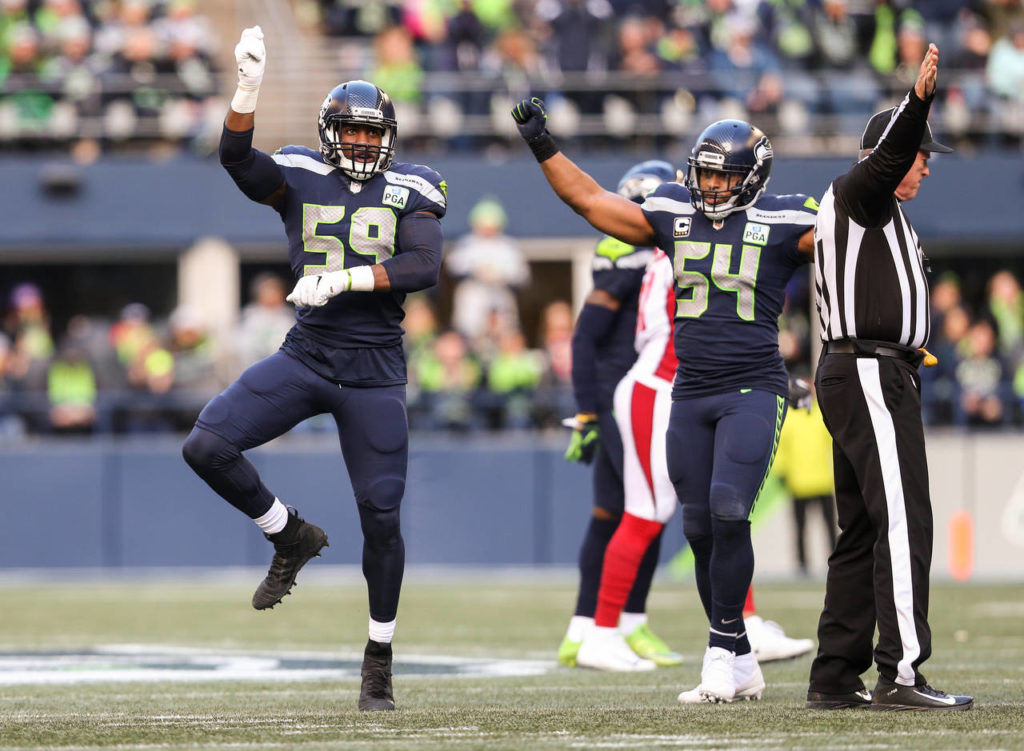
<point>872,297</point>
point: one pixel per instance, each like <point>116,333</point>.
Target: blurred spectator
<point>194,352</point>
<point>512,377</point>
<point>1006,306</point>
<point>745,72</point>
<point>787,25</point>
<point>28,326</point>
<point>358,17</point>
<point>28,101</point>
<point>264,322</point>
<point>578,41</point>
<point>448,378</point>
<point>555,396</point>
<point>71,389</point>
<point>489,267</point>
<point>803,462</point>
<point>1005,76</point>
<point>940,387</point>
<point>396,67</point>
<point>980,375</point>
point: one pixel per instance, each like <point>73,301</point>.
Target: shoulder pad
<point>302,157</point>
<point>425,181</point>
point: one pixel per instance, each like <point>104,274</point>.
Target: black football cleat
<point>891,696</point>
<point>375,695</point>
<point>294,546</point>
<point>860,699</point>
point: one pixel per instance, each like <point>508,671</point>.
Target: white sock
<point>382,632</point>
<point>274,520</point>
<point>629,622</point>
<point>578,626</point>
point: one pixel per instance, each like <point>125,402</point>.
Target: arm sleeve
<point>418,263</point>
<point>594,323</point>
<point>866,190</point>
<point>255,173</point>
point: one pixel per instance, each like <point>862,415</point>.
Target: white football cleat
<point>749,680</point>
<point>747,677</point>
<point>606,649</point>
<point>717,683</point>
<point>770,642</point>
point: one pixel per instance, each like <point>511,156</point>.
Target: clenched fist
<point>251,56</point>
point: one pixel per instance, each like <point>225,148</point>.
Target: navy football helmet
<point>641,179</point>
<point>735,148</point>
<point>365,104</point>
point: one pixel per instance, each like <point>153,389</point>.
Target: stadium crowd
<point>116,72</point>
<point>142,373</point>
<point>102,74</point>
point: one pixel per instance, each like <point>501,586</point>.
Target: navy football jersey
<point>618,269</point>
<point>333,223</point>
<point>731,281</point>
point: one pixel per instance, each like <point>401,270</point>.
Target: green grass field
<point>978,644</point>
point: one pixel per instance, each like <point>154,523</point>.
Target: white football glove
<point>315,291</point>
<point>251,56</point>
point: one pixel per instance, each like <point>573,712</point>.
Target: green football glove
<point>586,438</point>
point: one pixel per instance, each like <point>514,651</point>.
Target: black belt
<point>869,348</point>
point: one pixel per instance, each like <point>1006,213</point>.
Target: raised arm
<point>255,173</point>
<point>867,189</point>
<point>604,210</point>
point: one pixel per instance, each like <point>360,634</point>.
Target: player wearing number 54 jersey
<point>733,251</point>
<point>362,231</point>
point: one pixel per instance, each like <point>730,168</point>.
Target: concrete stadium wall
<point>130,205</point>
<point>475,502</point>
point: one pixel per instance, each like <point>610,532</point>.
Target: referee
<point>872,298</point>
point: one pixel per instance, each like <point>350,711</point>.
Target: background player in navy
<point>733,249</point>
<point>362,231</point>
<point>602,352</point>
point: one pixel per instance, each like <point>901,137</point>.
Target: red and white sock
<point>622,560</point>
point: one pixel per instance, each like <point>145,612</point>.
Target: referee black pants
<point>878,573</point>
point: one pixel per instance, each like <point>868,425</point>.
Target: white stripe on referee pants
<point>899,540</point>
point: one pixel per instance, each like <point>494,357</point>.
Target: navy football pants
<point>270,398</point>
<point>720,448</point>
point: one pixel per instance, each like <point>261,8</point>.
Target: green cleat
<point>567,652</point>
<point>650,646</point>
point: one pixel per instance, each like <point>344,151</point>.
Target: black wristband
<point>543,146</point>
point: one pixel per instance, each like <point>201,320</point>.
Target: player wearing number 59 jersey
<point>362,231</point>
<point>733,250</point>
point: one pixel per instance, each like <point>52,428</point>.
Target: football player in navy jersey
<point>362,231</point>
<point>734,248</point>
<point>602,352</point>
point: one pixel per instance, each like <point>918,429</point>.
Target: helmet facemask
<point>344,107</point>
<point>747,164</point>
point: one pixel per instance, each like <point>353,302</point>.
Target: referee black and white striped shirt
<point>869,267</point>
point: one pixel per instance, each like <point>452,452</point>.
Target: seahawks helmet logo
<point>762,150</point>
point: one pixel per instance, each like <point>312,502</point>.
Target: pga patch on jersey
<point>756,234</point>
<point>396,196</point>
<point>681,226</point>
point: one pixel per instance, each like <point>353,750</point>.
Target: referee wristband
<point>543,146</point>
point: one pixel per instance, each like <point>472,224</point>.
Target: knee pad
<point>696,522</point>
<point>730,531</point>
<point>729,503</point>
<point>380,527</point>
<point>383,494</point>
<point>205,450</point>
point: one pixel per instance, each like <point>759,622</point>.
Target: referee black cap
<point>879,122</point>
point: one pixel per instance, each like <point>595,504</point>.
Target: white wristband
<point>244,100</point>
<point>362,279</point>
